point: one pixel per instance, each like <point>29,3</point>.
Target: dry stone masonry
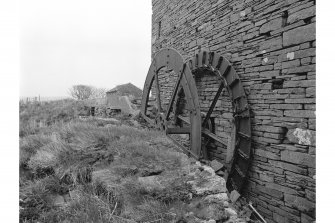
<point>271,45</point>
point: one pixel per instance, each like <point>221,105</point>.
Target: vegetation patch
<point>58,161</point>
<point>101,170</point>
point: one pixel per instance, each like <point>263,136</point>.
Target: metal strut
<point>193,124</point>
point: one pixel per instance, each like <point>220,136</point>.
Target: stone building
<point>271,45</point>
<point>129,90</point>
<point>120,97</point>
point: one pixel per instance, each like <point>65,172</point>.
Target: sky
<point>102,43</point>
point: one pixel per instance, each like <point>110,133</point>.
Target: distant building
<point>123,98</point>
<point>129,90</point>
<point>120,97</point>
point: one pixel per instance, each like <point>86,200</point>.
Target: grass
<point>66,155</point>
<point>48,113</point>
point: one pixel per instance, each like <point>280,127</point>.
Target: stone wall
<point>271,44</point>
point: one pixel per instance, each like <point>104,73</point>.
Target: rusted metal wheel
<point>172,60</point>
<point>199,124</point>
<point>220,67</point>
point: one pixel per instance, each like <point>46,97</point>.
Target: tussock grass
<point>30,145</point>
<point>36,197</point>
<point>47,113</point>
<point>63,157</point>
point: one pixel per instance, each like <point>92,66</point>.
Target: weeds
<point>63,157</point>
<point>30,145</point>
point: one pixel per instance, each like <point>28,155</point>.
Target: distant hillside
<point>127,89</point>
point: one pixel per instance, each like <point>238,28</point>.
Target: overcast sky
<point>101,43</point>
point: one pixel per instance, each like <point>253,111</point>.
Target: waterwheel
<point>170,102</point>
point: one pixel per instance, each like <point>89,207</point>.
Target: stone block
<point>306,60</point>
<point>299,180</point>
<point>264,211</point>
<point>260,158</point>
<point>264,86</point>
<point>301,136</point>
<point>300,100</point>
<point>290,64</point>
<point>291,125</point>
<point>269,191</point>
<point>273,73</point>
<point>265,68</point>
<point>260,22</point>
<point>305,53</point>
<point>279,218</point>
<point>289,167</point>
<point>216,165</point>
<point>299,35</point>
<point>290,91</point>
<point>310,195</point>
<point>305,45</point>
<point>200,41</point>
<point>267,154</point>
<point>243,24</point>
<point>265,141</point>
<point>306,219</point>
<point>273,135</point>
<point>193,43</point>
<point>300,203</point>
<point>281,215</point>
<point>302,14</point>
<point>301,69</point>
<point>269,113</point>
<point>285,190</point>
<point>286,106</point>
<point>272,43</point>
<point>266,177</point>
<point>300,113</point>
<point>250,35</point>
<point>282,147</point>
<point>310,92</point>
<point>312,124</point>
<point>252,62</point>
<point>298,158</point>
<point>234,17</point>
<point>266,128</point>
<point>300,83</point>
<point>271,25</point>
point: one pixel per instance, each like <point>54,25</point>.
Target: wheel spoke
<point>211,108</point>
<point>151,122</point>
<point>158,95</point>
<point>184,119</point>
<point>213,136</point>
<point>175,90</point>
<point>183,148</point>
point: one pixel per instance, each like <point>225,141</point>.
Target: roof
<point>127,89</point>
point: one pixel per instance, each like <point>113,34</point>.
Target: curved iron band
<point>241,112</point>
<point>171,59</point>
